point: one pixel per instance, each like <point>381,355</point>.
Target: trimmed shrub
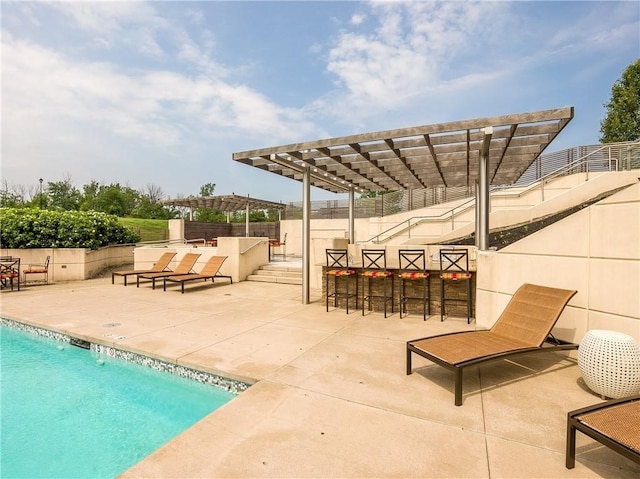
<point>34,228</point>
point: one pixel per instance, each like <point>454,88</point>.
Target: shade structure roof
<point>444,154</point>
<point>225,203</point>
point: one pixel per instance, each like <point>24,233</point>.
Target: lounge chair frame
<point>203,275</point>
<point>160,265</point>
<point>574,424</point>
<point>550,343</point>
<point>185,266</point>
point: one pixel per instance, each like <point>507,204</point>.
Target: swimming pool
<point>72,413</point>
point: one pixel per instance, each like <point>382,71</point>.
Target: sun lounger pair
<point>614,424</point>
<point>185,266</point>
<point>524,327</point>
<point>184,272</point>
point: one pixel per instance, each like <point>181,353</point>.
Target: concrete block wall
<point>595,251</point>
<point>72,264</point>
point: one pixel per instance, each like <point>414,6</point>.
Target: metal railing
<point>263,240</point>
<point>610,157</point>
<point>625,155</point>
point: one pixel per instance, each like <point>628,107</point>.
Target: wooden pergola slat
<point>416,157</point>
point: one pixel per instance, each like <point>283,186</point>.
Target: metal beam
<point>352,221</point>
<point>306,234</point>
<point>482,204</point>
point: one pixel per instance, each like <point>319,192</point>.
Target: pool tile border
<point>231,385</point>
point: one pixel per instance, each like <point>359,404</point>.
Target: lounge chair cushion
<point>458,348</point>
<point>614,422</point>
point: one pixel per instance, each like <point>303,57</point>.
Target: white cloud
<point>110,17</point>
<point>358,19</point>
<point>405,57</point>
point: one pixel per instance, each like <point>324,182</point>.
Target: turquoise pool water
<point>67,412</point>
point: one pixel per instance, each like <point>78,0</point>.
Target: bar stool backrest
<point>337,258</point>
<point>374,259</point>
<point>454,260</point>
<point>411,260</point>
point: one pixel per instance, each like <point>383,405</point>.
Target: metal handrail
<point>526,188</point>
<point>169,242</point>
<point>254,245</point>
<point>421,219</point>
<point>161,242</point>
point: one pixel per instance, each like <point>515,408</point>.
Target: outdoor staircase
<point>283,272</point>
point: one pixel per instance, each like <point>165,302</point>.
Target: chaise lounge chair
<point>209,271</point>
<point>184,267</point>
<point>614,423</point>
<point>160,265</point>
<point>523,327</point>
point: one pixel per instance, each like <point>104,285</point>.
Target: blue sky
<point>163,93</point>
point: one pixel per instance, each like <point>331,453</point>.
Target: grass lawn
<point>149,230</point>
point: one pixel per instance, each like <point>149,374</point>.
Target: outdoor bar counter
<point>456,290</point>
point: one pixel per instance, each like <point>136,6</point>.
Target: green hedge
<point>34,228</point>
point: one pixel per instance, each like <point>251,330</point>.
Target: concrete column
<point>352,221</point>
<point>482,225</point>
<point>246,227</point>
<point>306,234</point>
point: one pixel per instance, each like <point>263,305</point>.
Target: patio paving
<point>330,397</point>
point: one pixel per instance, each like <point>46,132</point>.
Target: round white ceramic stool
<point>610,363</point>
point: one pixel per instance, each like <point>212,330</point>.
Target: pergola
<point>226,203</point>
<point>490,151</point>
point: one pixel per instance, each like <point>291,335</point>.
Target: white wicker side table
<point>610,363</point>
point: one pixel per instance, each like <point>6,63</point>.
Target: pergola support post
<point>482,203</point>
<point>352,221</point>
<point>246,228</point>
<point>306,234</point>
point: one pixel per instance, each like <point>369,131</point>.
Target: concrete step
<point>275,272</point>
<point>274,279</point>
<point>284,273</point>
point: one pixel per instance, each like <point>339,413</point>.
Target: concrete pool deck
<point>330,397</point>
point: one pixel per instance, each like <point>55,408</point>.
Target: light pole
<point>40,180</point>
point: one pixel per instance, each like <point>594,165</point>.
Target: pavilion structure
<point>226,203</point>
<point>487,151</point>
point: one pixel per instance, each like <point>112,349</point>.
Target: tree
<point>207,189</point>
<point>622,120</point>
<point>149,205</point>
<point>116,200</point>
<point>208,214</point>
<point>10,197</point>
<point>148,208</point>
<point>89,195</point>
<point>62,195</point>
<point>153,192</point>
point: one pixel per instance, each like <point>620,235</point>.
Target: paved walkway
<point>330,397</point>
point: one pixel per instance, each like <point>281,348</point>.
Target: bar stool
<point>454,266</point>
<point>412,267</point>
<point>374,267</point>
<point>338,267</point>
